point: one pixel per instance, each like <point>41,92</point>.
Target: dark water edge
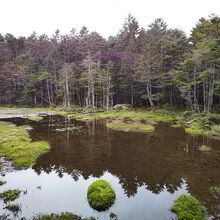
<point>147,171</point>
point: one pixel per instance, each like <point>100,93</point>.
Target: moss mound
<point>10,195</point>
<point>188,207</point>
<point>100,195</point>
<point>35,118</point>
<point>15,208</point>
<point>2,182</point>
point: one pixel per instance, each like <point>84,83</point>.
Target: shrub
<point>100,195</point>
<point>188,207</point>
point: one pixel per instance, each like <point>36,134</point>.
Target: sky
<point>22,17</point>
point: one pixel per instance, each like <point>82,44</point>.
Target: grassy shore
<point>135,119</point>
<point>145,119</point>
<point>16,145</point>
<point>130,126</point>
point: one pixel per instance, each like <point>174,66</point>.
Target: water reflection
<point>143,168</point>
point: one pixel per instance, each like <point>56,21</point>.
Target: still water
<point>147,171</point>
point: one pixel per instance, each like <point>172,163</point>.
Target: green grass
<point>16,145</point>
<point>134,115</point>
<point>176,126</point>
<point>151,117</point>
<point>132,126</point>
<point>139,120</point>
<point>62,216</point>
<point>215,130</point>
<point>81,116</point>
<point>189,208</point>
<point>35,118</point>
<point>100,195</point>
<point>10,195</point>
<point>195,128</point>
<point>204,148</point>
<point>194,123</point>
<point>3,123</point>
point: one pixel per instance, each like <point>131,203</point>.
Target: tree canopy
<point>155,66</point>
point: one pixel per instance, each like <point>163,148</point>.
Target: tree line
<point>155,66</point>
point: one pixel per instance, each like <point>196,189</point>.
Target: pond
<point>147,171</point>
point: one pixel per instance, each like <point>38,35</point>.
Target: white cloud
<point>22,17</point>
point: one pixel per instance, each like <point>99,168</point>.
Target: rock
<point>122,106</point>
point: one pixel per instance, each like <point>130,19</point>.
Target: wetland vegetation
<point>109,148</point>
<point>188,207</point>
<point>139,110</point>
<point>100,195</point>
<point>63,216</point>
<point>16,145</point>
<point>10,195</point>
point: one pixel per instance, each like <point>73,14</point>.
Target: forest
<point>154,66</point>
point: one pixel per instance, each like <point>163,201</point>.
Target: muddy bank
<point>20,113</point>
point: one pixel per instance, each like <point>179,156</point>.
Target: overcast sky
<point>22,17</point>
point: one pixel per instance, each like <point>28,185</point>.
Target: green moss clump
<point>10,195</point>
<point>189,208</point>
<point>2,182</point>
<point>176,126</point>
<point>16,145</point>
<point>13,208</point>
<point>35,118</point>
<point>204,148</point>
<point>133,126</point>
<point>195,128</point>
<point>215,190</point>
<point>100,195</point>
<point>62,216</point>
<point>194,131</point>
<point>81,116</point>
<point>3,123</point>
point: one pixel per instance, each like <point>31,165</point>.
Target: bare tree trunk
<point>67,89</point>
<point>149,92</point>
<point>91,86</point>
<point>210,92</point>
<point>196,105</point>
<point>108,89</point>
<point>48,92</point>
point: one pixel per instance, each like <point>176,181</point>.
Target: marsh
<point>148,171</point>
